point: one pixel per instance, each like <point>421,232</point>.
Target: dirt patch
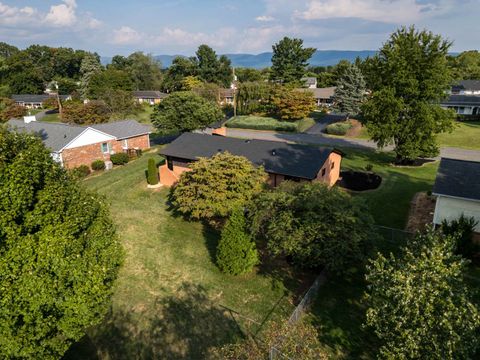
<point>359,180</point>
<point>355,130</point>
<point>421,212</point>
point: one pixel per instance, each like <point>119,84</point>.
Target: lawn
<point>169,296</point>
<point>55,117</point>
<point>269,123</point>
<point>142,116</point>
<point>466,135</point>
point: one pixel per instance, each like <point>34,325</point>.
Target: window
<point>105,148</point>
<point>333,166</point>
<point>170,164</point>
<point>125,144</point>
<point>324,171</point>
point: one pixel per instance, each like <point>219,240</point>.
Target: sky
<point>241,26</point>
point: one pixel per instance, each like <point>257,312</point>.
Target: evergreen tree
<point>236,252</point>
<point>350,91</point>
<point>89,67</point>
<point>420,307</point>
<point>152,172</point>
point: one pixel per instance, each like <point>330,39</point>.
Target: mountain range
<point>258,61</point>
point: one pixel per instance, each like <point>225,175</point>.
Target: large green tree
<point>110,79</point>
<point>350,91</point>
<point>236,181</point>
<point>466,65</point>
<point>313,224</point>
<point>213,69</point>
<point>184,111</point>
<point>291,104</point>
<point>59,254</point>
<point>89,67</point>
<point>289,60</point>
<point>419,305</point>
<point>411,77</point>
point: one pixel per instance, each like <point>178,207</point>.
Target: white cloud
<point>11,15</point>
<point>264,18</point>
<point>392,11</point>
<point>126,35</point>
<point>62,14</point>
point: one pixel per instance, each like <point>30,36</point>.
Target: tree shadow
<point>182,326</point>
<point>211,237</point>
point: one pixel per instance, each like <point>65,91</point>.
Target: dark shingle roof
<point>276,157</point>
<point>55,136</point>
<point>149,94</point>
<point>458,178</point>
<point>472,85</point>
<point>462,100</point>
<point>31,98</point>
<point>123,129</point>
<point>309,80</point>
<point>322,93</point>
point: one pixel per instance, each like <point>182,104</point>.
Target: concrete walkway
<point>320,139</point>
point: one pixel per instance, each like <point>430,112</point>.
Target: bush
<point>462,229</point>
<point>80,172</point>
<point>236,252</point>
<point>98,165</point>
<point>152,172</point>
<point>261,123</point>
<point>339,128</point>
<point>119,159</point>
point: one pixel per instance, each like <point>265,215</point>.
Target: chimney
<point>29,119</point>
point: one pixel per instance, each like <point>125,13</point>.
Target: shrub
<point>236,252</point>
<point>462,229</point>
<point>80,172</point>
<point>369,167</point>
<point>152,172</point>
<point>339,128</point>
<point>119,159</point>
<point>261,123</point>
<point>50,103</point>
<point>98,165</point>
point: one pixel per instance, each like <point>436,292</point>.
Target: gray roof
<point>458,178</point>
<point>472,85</point>
<point>32,98</point>
<point>461,100</point>
<point>149,94</point>
<point>322,93</point>
<point>301,161</point>
<point>123,129</point>
<point>309,80</point>
<point>56,136</point>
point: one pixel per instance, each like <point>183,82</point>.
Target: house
<point>32,101</point>
<point>75,145</point>
<point>323,96</point>
<point>309,82</point>
<point>227,96</point>
<point>282,161</point>
<point>457,188</point>
<point>466,87</point>
<point>149,97</point>
<point>462,104</point>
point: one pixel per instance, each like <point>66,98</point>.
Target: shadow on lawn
<point>183,326</point>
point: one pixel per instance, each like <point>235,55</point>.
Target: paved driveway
<point>323,122</point>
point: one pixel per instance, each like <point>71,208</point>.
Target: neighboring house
<point>323,96</point>
<point>457,188</point>
<point>75,145</point>
<point>32,101</point>
<point>280,160</point>
<point>227,96</point>
<point>462,104</point>
<point>466,87</point>
<point>310,82</point>
<point>149,97</point>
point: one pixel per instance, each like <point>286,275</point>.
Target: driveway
<point>323,122</point>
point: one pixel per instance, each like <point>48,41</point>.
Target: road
<point>320,139</point>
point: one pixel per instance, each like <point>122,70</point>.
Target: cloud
<point>62,14</point>
<point>391,11</point>
<point>265,18</point>
<point>125,36</point>
<point>11,15</point>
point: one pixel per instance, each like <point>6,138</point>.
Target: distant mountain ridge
<point>262,60</point>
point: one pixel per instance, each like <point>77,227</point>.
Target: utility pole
<point>234,94</point>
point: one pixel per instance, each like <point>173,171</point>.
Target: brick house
<point>150,97</point>
<point>31,101</point>
<point>75,145</point>
<point>280,160</point>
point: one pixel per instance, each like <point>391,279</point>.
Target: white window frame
<point>125,143</point>
<point>108,148</point>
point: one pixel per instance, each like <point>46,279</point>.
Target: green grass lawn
<point>142,116</point>
<point>51,118</point>
<point>269,123</point>
<point>168,297</point>
<point>466,135</point>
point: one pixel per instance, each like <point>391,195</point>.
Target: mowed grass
<point>269,123</point>
<point>466,135</point>
<point>169,297</point>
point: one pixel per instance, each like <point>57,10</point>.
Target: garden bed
<point>359,180</point>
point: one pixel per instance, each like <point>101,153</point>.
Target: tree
<point>110,79</point>
<point>289,60</point>
<point>350,91</point>
<point>184,111</point>
<point>313,224</point>
<point>181,68</point>
<point>211,69</point>
<point>419,306</point>
<point>152,172</point>
<point>93,112</point>
<point>59,255</point>
<point>89,67</point>
<point>466,65</point>
<point>253,97</point>
<point>411,77</point>
<point>119,102</point>
<point>236,181</point>
<point>190,83</point>
<point>236,252</point>
<point>292,104</point>
<point>250,75</point>
<point>10,110</point>
<point>144,71</point>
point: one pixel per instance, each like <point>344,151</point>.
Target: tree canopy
<point>184,111</point>
<point>419,306</point>
<point>59,254</point>
<point>291,104</point>
<point>289,60</point>
<point>350,91</point>
<point>411,77</point>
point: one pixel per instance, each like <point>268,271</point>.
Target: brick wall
<point>85,155</point>
<point>332,169</point>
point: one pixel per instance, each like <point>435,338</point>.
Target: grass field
<point>169,295</point>
<point>466,135</point>
<point>269,123</point>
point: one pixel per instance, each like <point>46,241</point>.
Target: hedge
<point>338,128</point>
<point>261,123</point>
<point>119,159</point>
<point>98,165</point>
